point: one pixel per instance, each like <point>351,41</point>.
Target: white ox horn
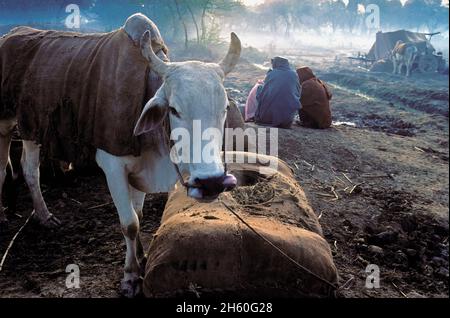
<point>233,55</point>
<point>158,65</point>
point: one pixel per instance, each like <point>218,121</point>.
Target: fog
<point>271,25</point>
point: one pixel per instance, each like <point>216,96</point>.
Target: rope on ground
<point>13,240</point>
<point>297,264</point>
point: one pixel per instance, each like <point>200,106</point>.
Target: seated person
<point>252,104</point>
<point>279,97</point>
<point>315,100</point>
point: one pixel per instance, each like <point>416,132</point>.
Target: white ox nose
<point>210,188</point>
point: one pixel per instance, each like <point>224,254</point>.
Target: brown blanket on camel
<point>75,92</point>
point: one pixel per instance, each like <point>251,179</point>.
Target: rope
<point>300,266</point>
<point>224,145</point>
<point>2,262</point>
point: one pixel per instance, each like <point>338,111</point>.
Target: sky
<point>252,2</point>
<point>257,2</point>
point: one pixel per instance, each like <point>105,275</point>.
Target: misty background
<point>270,25</point>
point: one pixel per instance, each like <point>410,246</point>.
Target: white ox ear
<point>153,114</point>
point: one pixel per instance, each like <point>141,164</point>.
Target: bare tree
<point>180,16</point>
<point>194,20</point>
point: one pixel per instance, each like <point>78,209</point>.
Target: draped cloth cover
<point>73,92</point>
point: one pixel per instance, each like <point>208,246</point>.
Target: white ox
<point>403,54</point>
<point>190,91</point>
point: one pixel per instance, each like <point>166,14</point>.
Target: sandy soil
<point>380,188</point>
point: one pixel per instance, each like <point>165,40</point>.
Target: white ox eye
<point>174,112</point>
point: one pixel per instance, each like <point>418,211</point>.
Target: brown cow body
<point>67,88</point>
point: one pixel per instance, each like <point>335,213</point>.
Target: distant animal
<point>118,94</point>
<point>403,54</point>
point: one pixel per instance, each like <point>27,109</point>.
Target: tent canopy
<point>385,43</point>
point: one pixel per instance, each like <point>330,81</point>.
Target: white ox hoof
<point>50,222</point>
<point>131,288</point>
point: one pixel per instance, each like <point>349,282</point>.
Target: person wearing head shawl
<point>279,97</point>
<point>315,100</point>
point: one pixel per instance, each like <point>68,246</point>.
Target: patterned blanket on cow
<point>75,92</point>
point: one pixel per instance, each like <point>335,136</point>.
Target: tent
<point>385,43</point>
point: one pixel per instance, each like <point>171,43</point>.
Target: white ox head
<point>193,93</point>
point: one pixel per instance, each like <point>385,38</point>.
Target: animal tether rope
<point>232,211</point>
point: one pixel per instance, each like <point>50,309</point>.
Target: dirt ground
<point>378,179</point>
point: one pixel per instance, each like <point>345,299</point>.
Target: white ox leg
<point>30,165</point>
<point>400,68</point>
<point>117,179</point>
<point>137,200</point>
<point>394,61</point>
<point>5,142</point>
<point>409,64</point>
